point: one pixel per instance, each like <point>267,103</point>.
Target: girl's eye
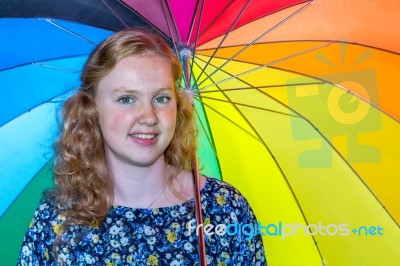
<point>125,100</point>
<point>162,99</point>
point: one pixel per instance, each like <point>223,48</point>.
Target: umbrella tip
<point>185,52</point>
<point>191,94</point>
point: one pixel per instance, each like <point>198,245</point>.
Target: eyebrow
<point>133,91</point>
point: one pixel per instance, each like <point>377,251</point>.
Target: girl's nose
<point>148,116</point>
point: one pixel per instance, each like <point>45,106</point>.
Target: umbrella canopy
<point>295,103</point>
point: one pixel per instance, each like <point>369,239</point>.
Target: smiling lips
<point>143,138</point>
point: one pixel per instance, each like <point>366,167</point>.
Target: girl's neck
<point>145,187</point>
<point>136,186</point>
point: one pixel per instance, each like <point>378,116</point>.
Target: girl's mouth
<point>144,136</point>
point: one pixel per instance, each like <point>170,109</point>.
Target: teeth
<point>144,136</point>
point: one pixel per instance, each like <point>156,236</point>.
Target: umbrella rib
<point>209,138</point>
<point>225,36</point>
<point>69,31</point>
<point>267,64</point>
<point>247,46</point>
<point>57,68</point>
<point>311,40</point>
<point>153,28</point>
<point>172,36</point>
<point>115,13</point>
<point>173,20</point>
<point>361,98</point>
<point>40,62</point>
<point>194,22</point>
<point>197,34</point>
<point>324,81</point>
<point>250,106</point>
<point>265,87</point>
<point>230,120</point>
<point>217,16</point>
<point>169,28</point>
<point>48,100</point>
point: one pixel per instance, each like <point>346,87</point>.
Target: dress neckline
<point>189,202</point>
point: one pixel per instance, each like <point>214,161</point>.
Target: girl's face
<point>137,107</point>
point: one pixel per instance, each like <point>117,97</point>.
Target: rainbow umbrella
<point>295,103</point>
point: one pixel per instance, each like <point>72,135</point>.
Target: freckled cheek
<point>120,121</point>
<point>116,121</point>
<point>170,116</point>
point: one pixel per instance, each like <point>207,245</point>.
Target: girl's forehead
<point>140,75</point>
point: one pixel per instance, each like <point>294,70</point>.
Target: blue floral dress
<point>158,236</point>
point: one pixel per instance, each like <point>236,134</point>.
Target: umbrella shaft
<point>185,53</point>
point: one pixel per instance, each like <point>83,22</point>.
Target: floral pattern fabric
<point>157,236</point>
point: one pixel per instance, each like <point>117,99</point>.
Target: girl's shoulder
<point>220,187</point>
<point>222,195</point>
<point>47,213</point>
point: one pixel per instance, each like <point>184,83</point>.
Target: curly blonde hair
<point>83,186</point>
